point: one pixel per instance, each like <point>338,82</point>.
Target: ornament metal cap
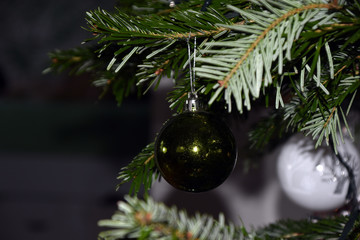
<point>172,4</point>
<point>192,104</point>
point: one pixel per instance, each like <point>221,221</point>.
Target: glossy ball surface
<point>195,151</point>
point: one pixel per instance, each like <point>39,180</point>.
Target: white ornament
<point>314,178</point>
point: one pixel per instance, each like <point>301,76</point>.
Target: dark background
<point>60,147</point>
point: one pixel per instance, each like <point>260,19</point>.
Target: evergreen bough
<point>302,57</point>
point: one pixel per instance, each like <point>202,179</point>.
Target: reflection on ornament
<point>195,151</point>
<point>314,178</point>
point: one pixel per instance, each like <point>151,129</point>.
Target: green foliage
<point>85,60</point>
<point>304,229</point>
<point>158,39</point>
<point>323,112</point>
<point>301,56</point>
<point>138,219</point>
<point>77,60</point>
<point>140,172</point>
<point>304,51</point>
<point>264,55</point>
<point>239,58</point>
<point>266,129</point>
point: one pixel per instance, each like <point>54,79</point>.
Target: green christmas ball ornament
<point>195,151</point>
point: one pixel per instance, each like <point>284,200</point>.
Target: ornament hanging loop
<point>191,68</point>
<point>192,103</point>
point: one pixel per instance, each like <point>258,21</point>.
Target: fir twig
<point>137,219</point>
<point>267,129</point>
<point>272,26</point>
<point>243,67</point>
<point>237,60</point>
<point>141,171</point>
<point>304,229</point>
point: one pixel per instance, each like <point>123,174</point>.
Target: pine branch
<point>77,60</point>
<point>138,219</point>
<point>271,27</point>
<point>243,67</point>
<point>321,114</point>
<point>159,41</point>
<point>152,33</point>
<point>250,69</point>
<point>305,229</point>
<point>305,52</point>
<point>268,129</point>
<point>140,172</point>
<point>122,39</point>
<point>268,34</point>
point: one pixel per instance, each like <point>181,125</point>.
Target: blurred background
<point>61,148</point>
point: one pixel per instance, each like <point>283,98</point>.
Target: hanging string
<point>191,69</point>
<point>192,103</point>
<point>194,61</point>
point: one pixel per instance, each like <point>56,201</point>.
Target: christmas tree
<point>299,59</point>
